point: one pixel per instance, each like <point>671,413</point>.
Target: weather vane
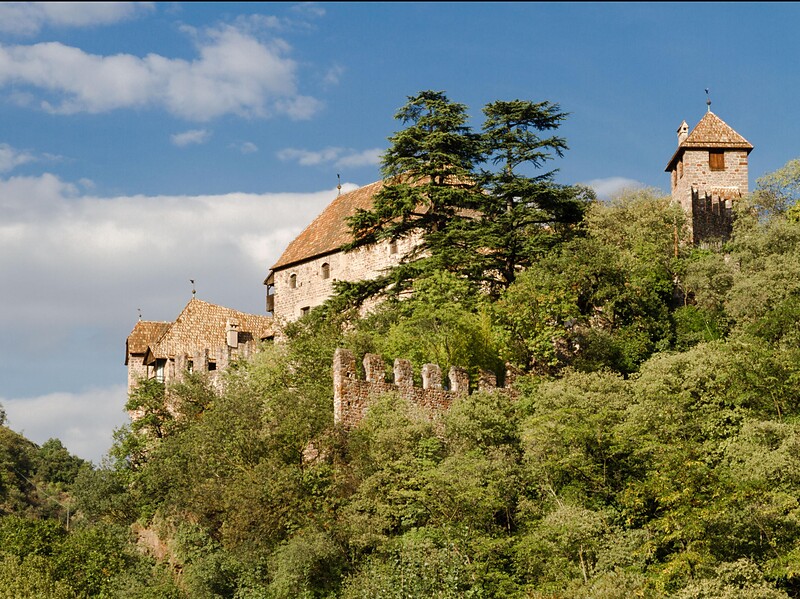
<point>193,289</point>
<point>708,101</point>
<point>140,312</point>
<point>339,184</point>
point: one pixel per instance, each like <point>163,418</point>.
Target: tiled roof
<point>202,325</point>
<point>329,231</point>
<point>711,132</point>
<point>143,334</point>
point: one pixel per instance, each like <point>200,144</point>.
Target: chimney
<point>683,132</point>
<point>232,333</point>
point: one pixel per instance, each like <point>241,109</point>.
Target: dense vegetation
<point>654,450</point>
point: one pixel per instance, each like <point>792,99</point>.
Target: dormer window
<point>292,281</point>
<point>326,270</point>
<point>716,160</point>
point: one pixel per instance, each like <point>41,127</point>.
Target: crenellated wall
<point>351,395</point>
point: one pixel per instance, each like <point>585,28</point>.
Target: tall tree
<point>523,215</point>
<point>430,190</point>
<point>482,224</point>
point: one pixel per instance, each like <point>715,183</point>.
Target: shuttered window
<point>716,160</point>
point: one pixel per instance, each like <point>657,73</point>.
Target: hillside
<point>652,450</point>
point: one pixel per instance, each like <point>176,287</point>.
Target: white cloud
<point>309,9</point>
<point>247,147</point>
<point>83,421</point>
<point>333,76</point>
<point>234,73</point>
<point>611,186</point>
<point>193,136</point>
<point>11,158</point>
<point>27,18</point>
<point>334,155</point>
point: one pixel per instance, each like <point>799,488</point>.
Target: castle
<point>708,171</point>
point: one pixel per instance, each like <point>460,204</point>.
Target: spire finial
<point>194,291</point>
<point>140,312</point>
<point>708,101</point>
<point>339,184</point>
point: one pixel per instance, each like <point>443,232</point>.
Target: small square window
<point>716,160</point>
<point>212,365</point>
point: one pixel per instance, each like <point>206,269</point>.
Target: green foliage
<point>777,193</point>
<point>57,465</point>
<point>441,324</point>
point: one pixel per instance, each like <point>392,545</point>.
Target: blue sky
<point>144,144</point>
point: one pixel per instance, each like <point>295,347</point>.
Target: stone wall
<point>351,396</point>
<point>707,195</point>
<point>312,288</point>
<point>211,361</point>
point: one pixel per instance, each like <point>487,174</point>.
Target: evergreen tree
<point>430,192</point>
<point>522,216</point>
<point>483,225</point>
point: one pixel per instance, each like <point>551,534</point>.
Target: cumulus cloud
<point>235,72</point>
<point>83,421</point>
<point>247,147</point>
<point>333,75</point>
<point>609,187</point>
<point>11,158</point>
<point>193,136</point>
<point>27,18</point>
<point>76,267</point>
<point>332,155</point>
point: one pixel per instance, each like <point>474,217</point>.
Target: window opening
<point>716,160</point>
<point>326,270</point>
<point>292,281</point>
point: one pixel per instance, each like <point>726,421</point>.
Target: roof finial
<point>140,312</point>
<point>339,184</point>
<point>708,101</point>
<point>194,291</point>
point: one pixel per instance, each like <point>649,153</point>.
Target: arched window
<point>326,270</point>
<point>292,281</point>
<point>393,246</point>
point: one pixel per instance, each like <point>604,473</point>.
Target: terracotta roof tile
<point>713,132</point>
<point>144,334</point>
<point>329,231</point>
<point>202,325</point>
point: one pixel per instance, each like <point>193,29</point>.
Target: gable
<point>145,333</point>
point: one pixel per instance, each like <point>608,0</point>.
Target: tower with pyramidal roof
<point>709,174</point>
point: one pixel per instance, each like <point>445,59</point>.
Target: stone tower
<point>709,173</point>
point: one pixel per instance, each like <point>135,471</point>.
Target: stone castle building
<point>303,276</point>
<point>204,338</point>
<point>708,174</point>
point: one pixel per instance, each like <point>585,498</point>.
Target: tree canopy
<point>466,198</point>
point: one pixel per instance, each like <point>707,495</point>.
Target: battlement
<point>712,213</point>
<point>351,395</point>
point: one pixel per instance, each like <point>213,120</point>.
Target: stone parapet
<point>351,395</point>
